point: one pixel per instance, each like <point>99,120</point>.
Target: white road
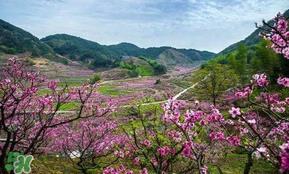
<point>151,103</point>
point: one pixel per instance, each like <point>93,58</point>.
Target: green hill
<point>15,40</point>
<point>76,48</point>
<point>97,55</point>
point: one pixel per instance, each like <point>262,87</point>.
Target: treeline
<point>246,61</point>
<point>236,69</point>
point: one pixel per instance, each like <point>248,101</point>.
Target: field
<point>70,105</point>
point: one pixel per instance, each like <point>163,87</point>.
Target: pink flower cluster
<point>165,151</point>
<point>273,100</point>
<point>245,92</point>
<point>234,140</point>
<point>171,109</point>
<point>147,143</point>
<point>284,158</point>
<point>260,80</point>
<point>52,84</point>
<point>175,135</point>
<point>219,136</point>
<point>279,36</point>
<point>187,149</point>
<point>284,81</point>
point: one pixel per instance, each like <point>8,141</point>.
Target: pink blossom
<point>175,135</point>
<point>284,81</point>
<point>144,171</point>
<point>164,151</point>
<point>234,140</point>
<point>245,92</point>
<point>136,161</point>
<point>261,80</point>
<point>284,158</point>
<point>217,136</point>
<point>235,112</point>
<point>279,36</point>
<point>147,143</point>
<point>282,25</point>
<point>187,151</point>
<point>52,85</point>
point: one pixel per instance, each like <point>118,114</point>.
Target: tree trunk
<point>2,164</point>
<point>249,163</point>
<point>84,171</point>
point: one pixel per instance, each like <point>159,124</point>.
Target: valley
<point>71,105</point>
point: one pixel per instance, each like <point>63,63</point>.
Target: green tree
<point>215,79</point>
<point>265,60</point>
<point>95,78</point>
<point>239,63</point>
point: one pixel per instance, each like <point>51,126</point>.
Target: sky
<point>199,24</point>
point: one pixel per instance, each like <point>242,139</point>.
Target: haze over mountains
<point>14,40</point>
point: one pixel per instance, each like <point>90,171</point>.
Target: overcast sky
<point>200,24</point>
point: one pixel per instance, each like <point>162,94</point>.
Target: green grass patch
<point>43,92</point>
<point>69,106</point>
<point>145,70</point>
<point>112,91</point>
<point>53,165</point>
<point>235,163</point>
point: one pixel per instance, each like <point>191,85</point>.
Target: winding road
<point>151,103</point>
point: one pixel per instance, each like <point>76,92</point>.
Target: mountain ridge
<point>80,49</point>
<point>14,40</point>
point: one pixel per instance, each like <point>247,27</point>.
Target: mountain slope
<point>251,40</point>
<point>168,59</point>
<point>76,48</point>
<point>96,55</point>
<point>15,40</point>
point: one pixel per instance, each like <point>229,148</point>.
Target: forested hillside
<point>97,55</point>
<point>14,40</point>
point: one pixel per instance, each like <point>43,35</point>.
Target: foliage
<point>265,60</point>
<point>80,49</point>
<point>214,81</point>
<point>14,40</point>
<point>239,62</point>
<point>94,79</point>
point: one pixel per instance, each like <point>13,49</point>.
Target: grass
<point>112,91</point>
<point>44,91</point>
<point>69,106</point>
<point>53,165</point>
<point>234,164</point>
<point>70,83</point>
<point>231,164</point>
<point>145,70</point>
